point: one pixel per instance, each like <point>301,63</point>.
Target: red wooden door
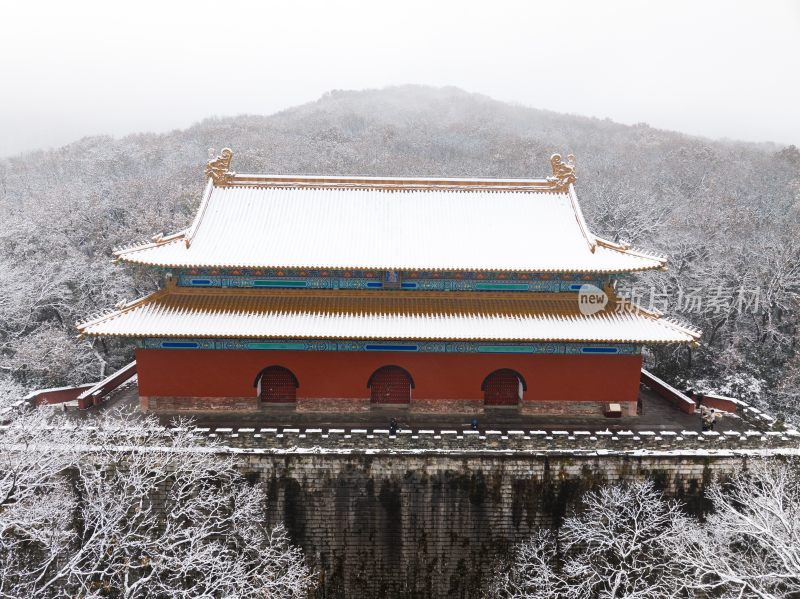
<point>278,385</point>
<point>502,388</point>
<point>390,385</point>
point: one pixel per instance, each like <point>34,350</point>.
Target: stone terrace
<point>660,427</point>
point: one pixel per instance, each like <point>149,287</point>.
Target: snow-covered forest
<point>630,541</point>
<point>727,214</point>
<point>127,508</point>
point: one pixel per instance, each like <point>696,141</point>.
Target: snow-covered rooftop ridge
<point>392,223</point>
<point>402,183</point>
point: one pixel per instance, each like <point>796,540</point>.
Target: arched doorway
<point>390,384</point>
<point>503,387</point>
<point>277,384</point>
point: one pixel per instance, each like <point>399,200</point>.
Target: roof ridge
<point>201,210</point>
<point>390,182</point>
<point>484,186</point>
<point>626,248</point>
<point>576,209</point>
<point>656,315</point>
<point>156,241</point>
<point>121,308</point>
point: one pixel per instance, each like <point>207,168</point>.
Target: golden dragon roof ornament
<point>563,172</point>
<point>218,168</point>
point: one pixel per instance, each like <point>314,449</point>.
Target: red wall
<point>223,373</point>
<point>60,395</point>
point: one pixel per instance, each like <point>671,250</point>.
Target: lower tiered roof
<point>403,315</point>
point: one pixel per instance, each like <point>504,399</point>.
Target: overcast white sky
<point>715,68</point>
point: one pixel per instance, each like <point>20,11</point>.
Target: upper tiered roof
<point>267,221</point>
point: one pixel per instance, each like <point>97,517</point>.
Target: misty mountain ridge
<point>413,105</point>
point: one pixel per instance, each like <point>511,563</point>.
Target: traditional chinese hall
<point>344,294</point>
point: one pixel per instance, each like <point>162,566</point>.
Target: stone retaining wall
<point>427,514</point>
<point>432,525</point>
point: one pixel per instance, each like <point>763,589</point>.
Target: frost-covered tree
<point>533,572</point>
<point>10,394</point>
<point>621,544</point>
<point>632,542</point>
<point>130,509</point>
<point>750,544</point>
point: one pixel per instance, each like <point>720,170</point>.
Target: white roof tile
<point>371,315</point>
<point>405,227</point>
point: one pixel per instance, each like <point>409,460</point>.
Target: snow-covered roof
<point>339,314</point>
<point>260,221</point>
